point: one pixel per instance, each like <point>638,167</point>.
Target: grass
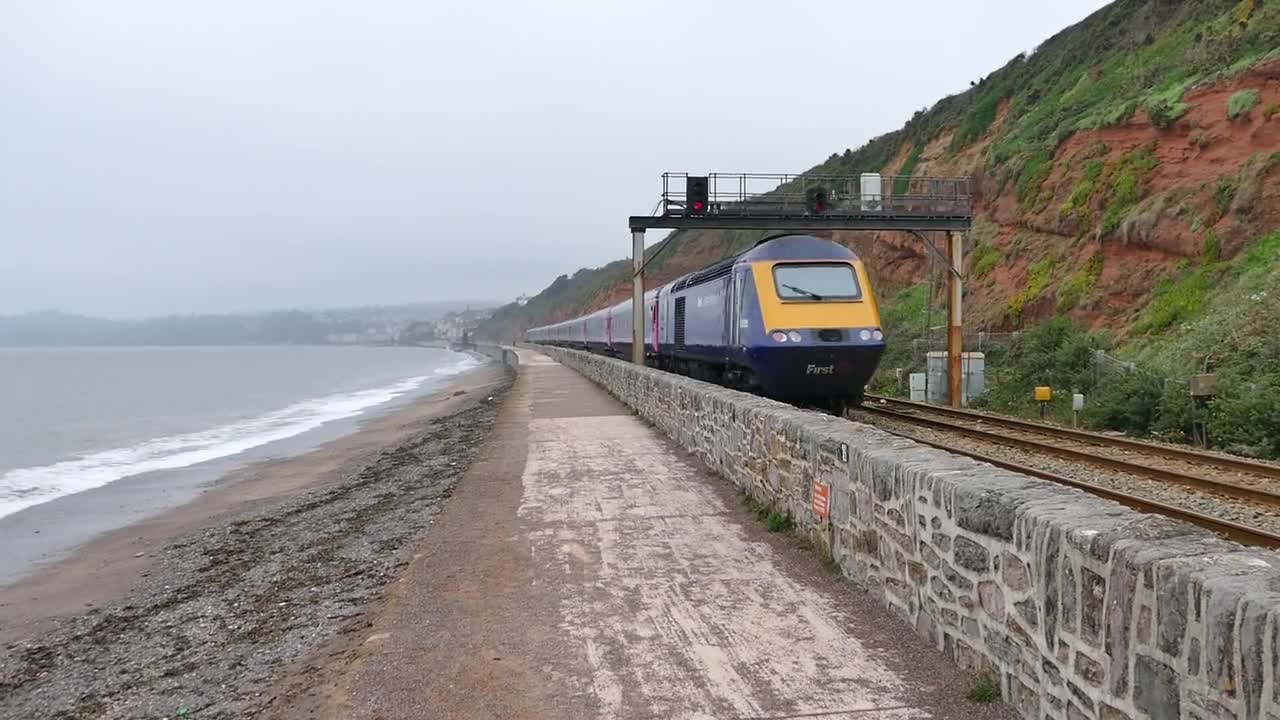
<point>777,522</point>
<point>774,521</point>
<point>985,690</point>
<point>1211,249</point>
<point>1038,276</point>
<point>1034,172</point>
<point>1262,256</point>
<point>1240,103</point>
<point>1223,194</point>
<point>903,183</point>
<point>1082,193</point>
<point>1080,284</point>
<point>983,260</point>
<point>1098,74</point>
<point>1164,113</point>
<point>902,316</point>
<point>979,119</point>
<point>1177,300</point>
<point>1126,185</point>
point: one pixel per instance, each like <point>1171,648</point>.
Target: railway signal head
<point>696,195</point>
<point>817,200</point>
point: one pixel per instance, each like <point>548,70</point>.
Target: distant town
<point>410,324</point>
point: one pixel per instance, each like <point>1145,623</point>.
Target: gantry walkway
<point>587,568</point>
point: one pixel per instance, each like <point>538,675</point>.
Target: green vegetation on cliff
<point>1162,234</point>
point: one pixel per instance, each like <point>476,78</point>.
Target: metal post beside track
<point>637,296</point>
<point>955,325</point>
<point>783,202</point>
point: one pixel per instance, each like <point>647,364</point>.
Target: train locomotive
<point>793,318</point>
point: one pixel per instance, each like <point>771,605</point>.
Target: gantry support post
<point>637,296</point>
<point>955,321</point>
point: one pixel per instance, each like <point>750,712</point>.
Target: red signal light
<point>696,194</point>
<point>817,199</point>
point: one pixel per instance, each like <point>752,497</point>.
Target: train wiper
<point>802,291</point>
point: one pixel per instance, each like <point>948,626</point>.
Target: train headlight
<point>795,336</point>
<point>864,334</point>
<point>779,336</point>
<point>877,335</point>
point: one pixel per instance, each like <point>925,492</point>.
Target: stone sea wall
<point>501,354</point>
<point>1079,606</point>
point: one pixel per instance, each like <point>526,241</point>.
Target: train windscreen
<point>816,282</point>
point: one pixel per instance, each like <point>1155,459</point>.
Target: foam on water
<point>24,487</point>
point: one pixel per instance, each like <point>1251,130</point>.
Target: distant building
<point>456,324</point>
<point>522,300</point>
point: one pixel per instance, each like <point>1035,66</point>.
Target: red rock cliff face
<point>1180,168</point>
<point>1205,176</point>
<point>1179,205</point>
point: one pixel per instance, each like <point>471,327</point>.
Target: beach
<point>198,609</point>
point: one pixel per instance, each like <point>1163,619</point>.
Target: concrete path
<point>586,568</point>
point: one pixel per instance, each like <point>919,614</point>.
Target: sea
<point>75,419</point>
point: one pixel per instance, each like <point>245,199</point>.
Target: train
<point>792,318</point>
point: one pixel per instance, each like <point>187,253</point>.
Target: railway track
<point>1236,483</point>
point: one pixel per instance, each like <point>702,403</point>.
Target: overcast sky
<point>170,157</point>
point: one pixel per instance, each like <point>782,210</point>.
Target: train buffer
<point>587,568</point>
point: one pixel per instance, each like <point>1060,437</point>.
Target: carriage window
<point>816,282</point>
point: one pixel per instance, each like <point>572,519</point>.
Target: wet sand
<point>199,606</point>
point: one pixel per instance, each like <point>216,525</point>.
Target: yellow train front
<point>792,318</point>
<point>804,324</point>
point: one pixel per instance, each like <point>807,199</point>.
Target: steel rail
<point>1229,489</point>
<point>1239,464</point>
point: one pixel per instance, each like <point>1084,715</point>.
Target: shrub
<point>1176,301</point>
<point>1125,192</point>
<point>903,318</point>
<point>1164,113</point>
<point>777,522</point>
<point>1224,194</point>
<point>1079,284</point>
<point>1057,353</point>
<point>903,183</point>
<point>1243,418</point>
<point>1173,422</point>
<point>1037,281</point>
<point>1128,402</point>
<point>1033,175</point>
<point>1211,251</point>
<point>1244,10</point>
<point>1200,139</point>
<point>1270,111</point>
<point>1263,254</point>
<point>1127,183</point>
<point>984,691</point>
<point>1241,103</point>
<point>979,119</point>
<point>983,260</point>
<point>1082,193</point>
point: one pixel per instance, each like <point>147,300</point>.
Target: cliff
<point>1125,172</point>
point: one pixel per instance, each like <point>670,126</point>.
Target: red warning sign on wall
<point>821,499</point>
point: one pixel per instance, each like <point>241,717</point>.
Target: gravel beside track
<point>1216,505</point>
